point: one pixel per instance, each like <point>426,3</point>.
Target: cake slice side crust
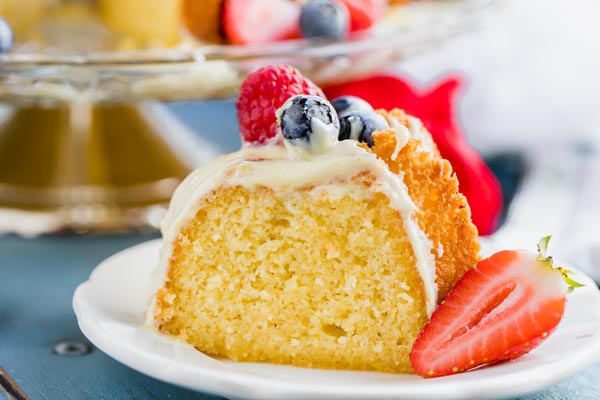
<point>442,211</point>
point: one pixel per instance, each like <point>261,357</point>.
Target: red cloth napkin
<point>436,108</point>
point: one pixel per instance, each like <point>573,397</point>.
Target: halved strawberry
<point>364,13</point>
<point>260,21</point>
<point>500,310</point>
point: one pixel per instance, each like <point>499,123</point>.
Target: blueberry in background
<point>360,125</point>
<point>325,19</point>
<point>6,36</point>
<point>346,104</point>
<point>296,118</point>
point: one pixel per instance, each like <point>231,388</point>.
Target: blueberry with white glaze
<point>360,125</point>
<point>309,121</point>
<point>346,104</point>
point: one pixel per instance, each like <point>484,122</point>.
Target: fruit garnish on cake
<point>262,93</point>
<point>500,310</point>
<point>327,241</point>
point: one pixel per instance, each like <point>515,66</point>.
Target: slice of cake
<point>325,243</point>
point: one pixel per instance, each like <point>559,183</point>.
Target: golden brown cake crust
<point>203,19</point>
<point>442,211</point>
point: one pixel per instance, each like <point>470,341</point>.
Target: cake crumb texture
<point>309,278</point>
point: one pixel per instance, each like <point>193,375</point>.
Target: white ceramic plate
<point>110,310</point>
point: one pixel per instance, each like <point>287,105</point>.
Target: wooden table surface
<point>37,281</point>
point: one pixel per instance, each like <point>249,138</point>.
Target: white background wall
<point>533,74</point>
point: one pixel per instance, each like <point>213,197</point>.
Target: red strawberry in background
<point>260,21</point>
<point>503,308</point>
<point>364,13</point>
<point>435,107</point>
<point>262,93</point>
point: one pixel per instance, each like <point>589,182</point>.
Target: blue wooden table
<point>43,354</point>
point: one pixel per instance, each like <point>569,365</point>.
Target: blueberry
<point>360,125</point>
<point>323,19</point>
<point>6,36</point>
<point>309,121</point>
<point>345,104</point>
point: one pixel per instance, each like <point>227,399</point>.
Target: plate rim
<point>237,384</point>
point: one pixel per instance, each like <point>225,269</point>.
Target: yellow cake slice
<point>333,258</point>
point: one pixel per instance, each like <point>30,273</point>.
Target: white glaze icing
<point>416,130</point>
<point>402,136</point>
<point>285,170</point>
<point>356,128</point>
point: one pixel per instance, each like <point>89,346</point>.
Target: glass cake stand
<point>87,140</point>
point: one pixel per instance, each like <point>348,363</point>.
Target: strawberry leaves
<point>542,248</point>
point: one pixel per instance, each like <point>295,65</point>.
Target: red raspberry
<point>262,93</point>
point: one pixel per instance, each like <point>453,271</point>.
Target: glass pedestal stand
<point>86,167</point>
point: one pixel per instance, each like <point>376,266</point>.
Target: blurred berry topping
<point>260,21</point>
<point>6,36</point>
<point>360,125</point>
<point>327,19</point>
<point>309,121</point>
<point>262,93</point>
<point>346,104</point>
